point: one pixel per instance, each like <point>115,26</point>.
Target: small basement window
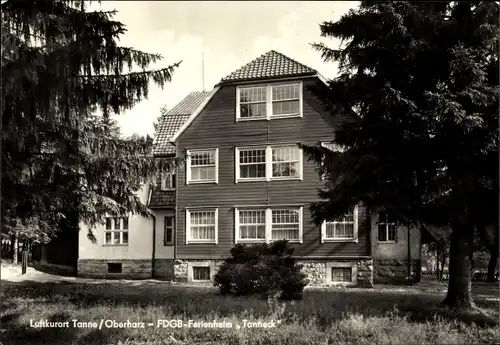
<point>114,267</point>
<point>342,274</point>
<point>201,273</point>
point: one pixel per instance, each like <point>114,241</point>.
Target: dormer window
<point>286,100</point>
<point>253,103</point>
<point>270,101</point>
<point>167,181</point>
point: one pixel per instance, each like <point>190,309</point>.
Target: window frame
<point>190,271</point>
<point>268,163</point>
<point>167,181</point>
<point>189,212</point>
<point>237,225</point>
<point>189,166</point>
<point>238,102</point>
<point>268,223</point>
<point>269,101</point>
<point>238,177</point>
<point>387,224</point>
<point>113,231</point>
<point>202,280</point>
<point>166,228</point>
<point>354,239</point>
<point>300,162</point>
<point>351,265</point>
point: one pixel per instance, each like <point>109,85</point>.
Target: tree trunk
<point>15,245</point>
<point>442,259</point>
<point>494,253</point>
<point>459,294</point>
<point>492,265</point>
<point>471,257</point>
<point>443,264</point>
<point>438,260</point>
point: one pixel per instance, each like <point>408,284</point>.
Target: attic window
<point>167,181</point>
<point>252,102</point>
<point>265,102</point>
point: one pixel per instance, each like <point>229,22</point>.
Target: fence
<point>7,250</point>
<point>434,276</point>
<point>478,276</point>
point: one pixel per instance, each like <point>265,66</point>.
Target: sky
<point>227,34</point>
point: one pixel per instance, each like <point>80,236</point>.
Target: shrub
<point>263,269</point>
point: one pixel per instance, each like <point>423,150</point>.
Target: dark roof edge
<point>277,78</point>
<point>161,206</point>
<point>164,155</point>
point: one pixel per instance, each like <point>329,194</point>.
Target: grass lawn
<point>390,315</point>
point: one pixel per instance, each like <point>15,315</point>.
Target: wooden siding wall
<point>216,127</point>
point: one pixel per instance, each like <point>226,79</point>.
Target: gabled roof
<point>171,121</point>
<point>269,65</point>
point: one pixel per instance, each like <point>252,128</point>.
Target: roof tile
<point>171,121</point>
<point>161,198</point>
<point>269,65</point>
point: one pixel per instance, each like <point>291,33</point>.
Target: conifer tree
<point>63,76</point>
<point>419,82</point>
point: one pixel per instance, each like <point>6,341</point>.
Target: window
<point>202,166</point>
<point>253,102</point>
<point>386,228</point>
<point>342,274</point>
<point>201,273</point>
<point>168,231</point>
<point>286,100</point>
<point>343,229</point>
<point>268,224</point>
<point>114,267</point>
<point>252,225</point>
<point>286,161</point>
<point>116,232</point>
<point>267,163</point>
<point>269,101</point>
<point>168,181</point>
<point>252,163</point>
<point>285,225</point>
<point>201,226</point>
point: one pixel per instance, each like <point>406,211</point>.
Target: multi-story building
<point>245,180</point>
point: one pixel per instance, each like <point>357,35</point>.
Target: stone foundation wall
<point>182,267</point>
<point>365,273</point>
<point>164,269</point>
<point>180,271</point>
<point>131,269</point>
<point>316,271</point>
<point>394,271</point>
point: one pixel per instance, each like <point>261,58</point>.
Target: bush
<point>263,269</point>
<point>482,276</point>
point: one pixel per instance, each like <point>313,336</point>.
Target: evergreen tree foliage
<point>61,66</point>
<point>419,86</point>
